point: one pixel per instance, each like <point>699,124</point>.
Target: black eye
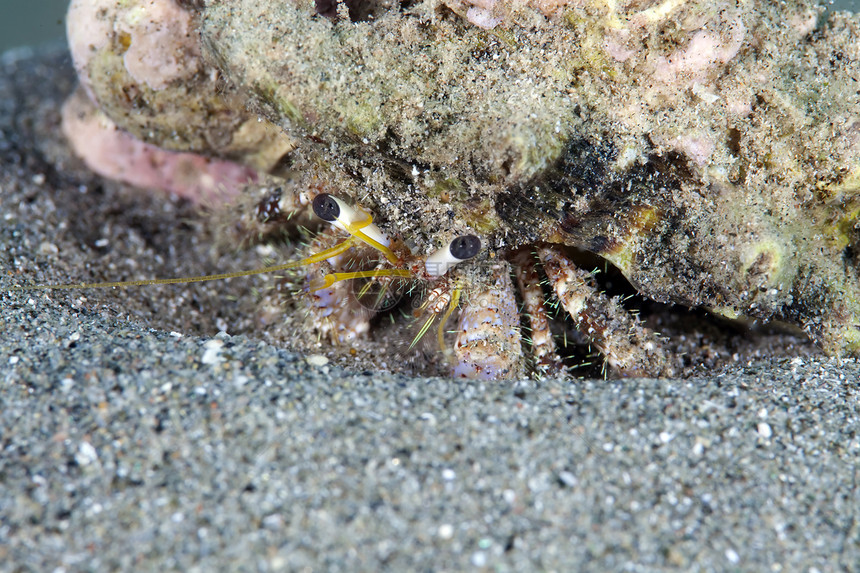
<point>465,247</point>
<point>326,207</point>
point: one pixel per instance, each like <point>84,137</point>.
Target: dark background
<point>29,22</point>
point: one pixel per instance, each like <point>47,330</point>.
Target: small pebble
<point>316,360</point>
<point>479,559</point>
<point>46,248</point>
<point>273,522</point>
<point>567,479</point>
<point>732,555</point>
<point>86,454</point>
<point>212,352</point>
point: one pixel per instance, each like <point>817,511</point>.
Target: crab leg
<point>488,337</point>
<point>630,348</point>
<point>336,311</point>
<point>528,281</point>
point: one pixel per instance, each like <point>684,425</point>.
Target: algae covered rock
<point>140,61</point>
<point>708,149</point>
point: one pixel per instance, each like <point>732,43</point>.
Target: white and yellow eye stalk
<point>458,250</point>
<point>356,222</point>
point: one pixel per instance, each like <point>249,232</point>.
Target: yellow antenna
<point>327,254</point>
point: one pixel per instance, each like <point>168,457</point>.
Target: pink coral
<point>161,47</point>
<point>154,47</point>
<point>115,154</point>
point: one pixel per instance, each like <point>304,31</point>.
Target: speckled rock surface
<point>685,142</point>
<point>707,149</point>
<point>126,446</point>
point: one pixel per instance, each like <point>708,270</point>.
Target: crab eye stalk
<point>458,250</point>
<point>356,222</point>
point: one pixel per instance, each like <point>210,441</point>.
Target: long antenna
<point>327,254</point>
<point>181,280</point>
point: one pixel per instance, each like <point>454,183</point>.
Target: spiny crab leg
<point>336,312</point>
<point>630,348</point>
<point>542,344</point>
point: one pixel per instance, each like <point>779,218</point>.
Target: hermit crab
<point>488,337</point>
<point>706,151</point>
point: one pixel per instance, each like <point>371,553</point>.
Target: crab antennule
<point>356,222</point>
<point>458,250</point>
<point>328,253</point>
<point>440,332</point>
